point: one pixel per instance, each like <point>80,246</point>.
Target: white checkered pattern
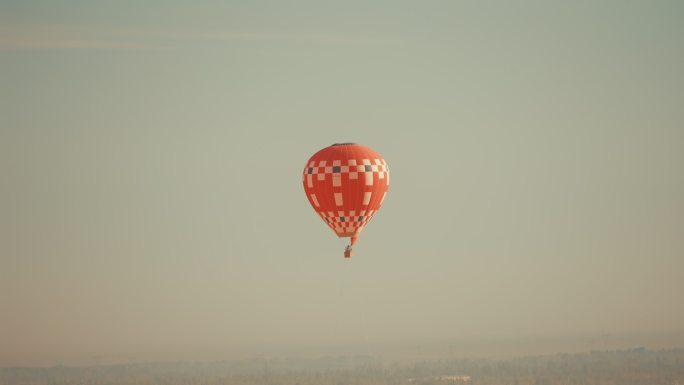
<point>351,168</point>
<point>347,222</point>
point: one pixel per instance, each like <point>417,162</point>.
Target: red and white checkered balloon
<point>346,183</point>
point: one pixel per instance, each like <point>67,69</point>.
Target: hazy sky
<point>151,204</point>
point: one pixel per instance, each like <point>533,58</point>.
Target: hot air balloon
<point>346,183</point>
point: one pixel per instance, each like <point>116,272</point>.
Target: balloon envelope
<point>346,184</point>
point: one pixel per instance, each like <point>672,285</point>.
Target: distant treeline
<point>624,367</point>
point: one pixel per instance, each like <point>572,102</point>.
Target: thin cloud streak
<point>35,43</point>
<point>303,38</point>
<point>55,37</point>
<point>48,37</point>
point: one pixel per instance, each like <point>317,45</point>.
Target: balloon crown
<point>343,144</point>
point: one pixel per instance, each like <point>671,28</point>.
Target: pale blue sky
<point>152,205</point>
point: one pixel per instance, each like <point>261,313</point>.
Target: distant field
<point>633,366</point>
